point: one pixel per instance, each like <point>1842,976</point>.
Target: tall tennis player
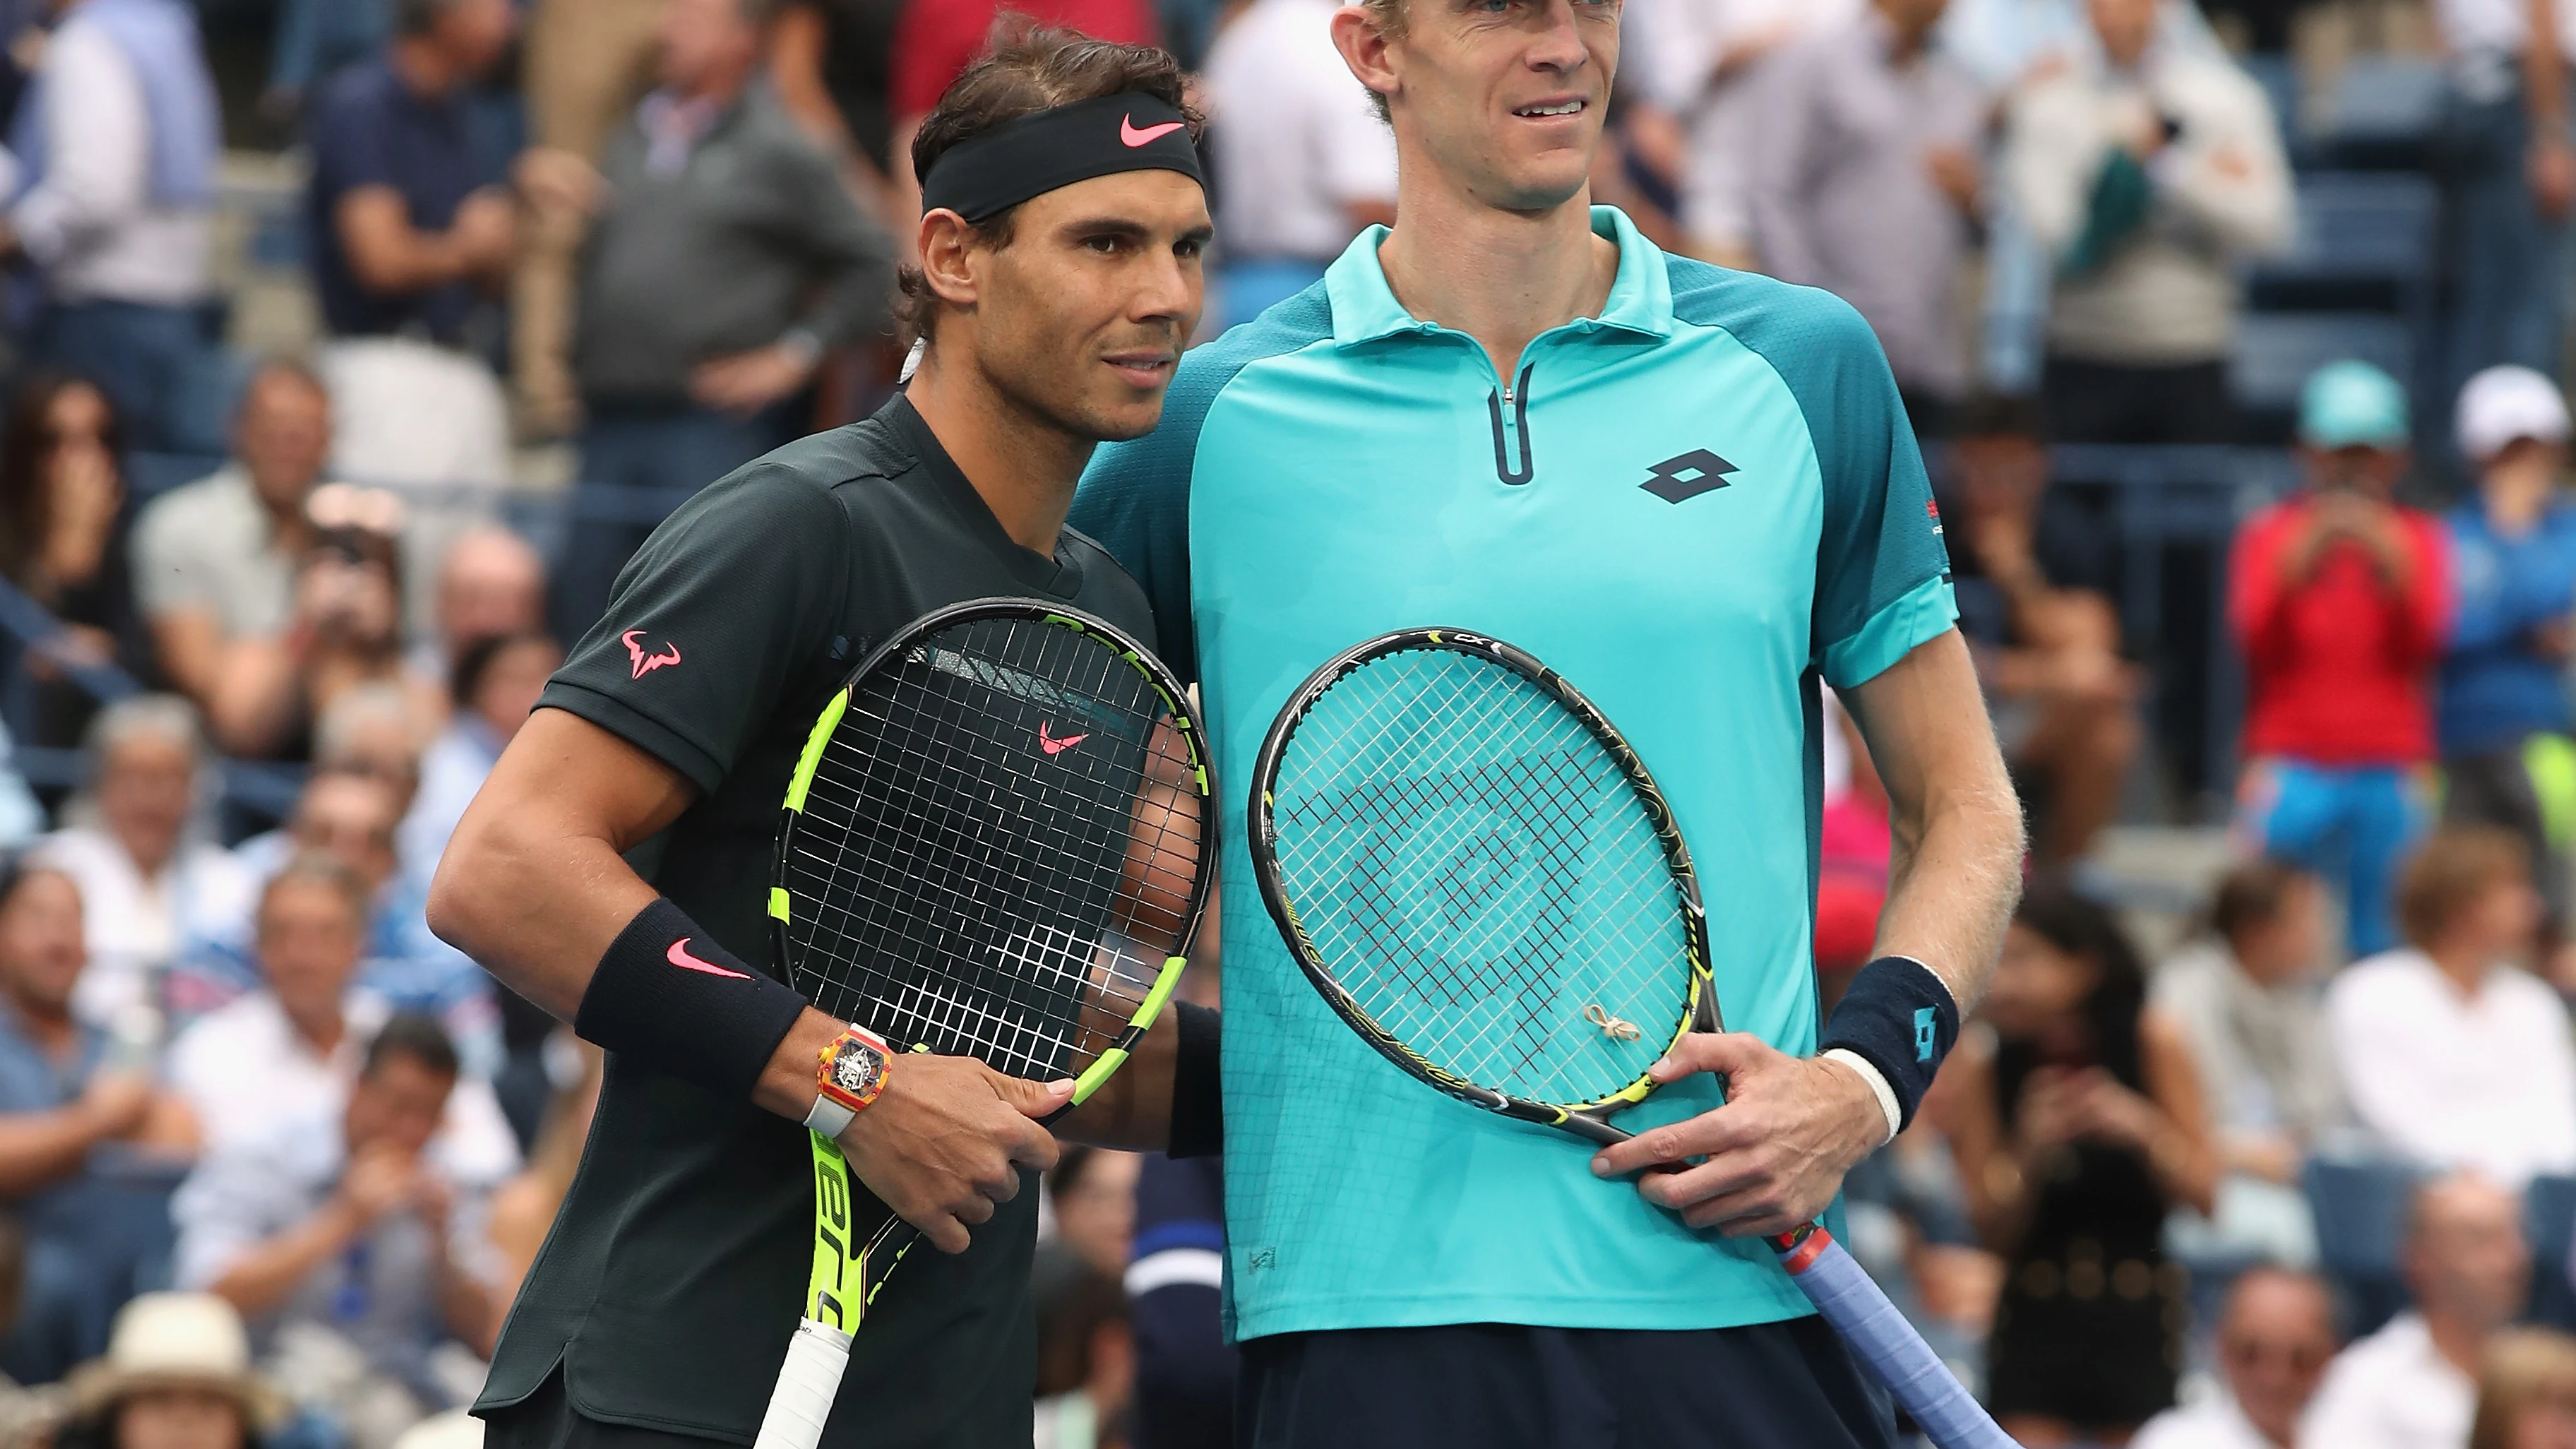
<point>1694,494</point>
<point>615,867</point>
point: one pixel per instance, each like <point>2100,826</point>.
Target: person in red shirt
<point>935,40</point>
<point>2340,600</point>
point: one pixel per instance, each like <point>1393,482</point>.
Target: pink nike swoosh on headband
<point>1128,133</point>
<point>680,957</point>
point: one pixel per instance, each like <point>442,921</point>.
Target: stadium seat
<point>2361,1206</point>
<point>2382,112</point>
<point>2278,75</point>
<point>2365,240</point>
<point>2275,353</point>
<point>149,474</point>
<point>2549,1221</point>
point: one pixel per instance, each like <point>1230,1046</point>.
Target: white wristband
<point>1878,1087</point>
<point>831,1118</point>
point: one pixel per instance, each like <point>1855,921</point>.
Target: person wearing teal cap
<point>2339,598</point>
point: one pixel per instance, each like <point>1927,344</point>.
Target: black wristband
<point>1198,1088</point>
<point>668,996</point>
<point>1897,1016</point>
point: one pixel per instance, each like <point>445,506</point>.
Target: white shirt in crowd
<point>2485,1082</point>
<point>90,224</point>
<point>2392,1390</point>
<point>244,1069</point>
<point>1295,139</point>
<point>211,546</point>
<point>2487,35</point>
<point>2214,1423</point>
<point>134,925</point>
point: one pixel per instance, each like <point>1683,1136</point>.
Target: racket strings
<point>1479,876</point>
<point>994,856</point>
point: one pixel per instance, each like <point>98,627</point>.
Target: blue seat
<point>2275,353</point>
<point>2383,111</point>
<point>2361,1206</point>
<point>2549,1222</point>
<point>2278,75</point>
<point>149,474</point>
<point>2357,230</point>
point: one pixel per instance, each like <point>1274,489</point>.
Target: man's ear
<point>947,264</point>
<point>1364,48</point>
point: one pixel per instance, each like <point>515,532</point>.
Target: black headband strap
<point>1039,153</point>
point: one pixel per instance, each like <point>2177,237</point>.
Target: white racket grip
<point>1895,1354</point>
<point>807,1384</point>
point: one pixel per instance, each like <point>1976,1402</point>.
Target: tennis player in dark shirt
<point>1064,220</point>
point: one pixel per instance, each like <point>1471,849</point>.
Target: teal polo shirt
<point>1694,506</point>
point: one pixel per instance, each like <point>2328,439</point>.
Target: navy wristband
<point>1198,1094</point>
<point>667,996</point>
<point>1898,1017</point>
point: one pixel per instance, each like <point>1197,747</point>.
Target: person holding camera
<point>2341,601</point>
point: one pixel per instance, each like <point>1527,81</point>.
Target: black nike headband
<point>1035,154</point>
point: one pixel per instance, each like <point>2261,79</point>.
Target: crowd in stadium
<point>2291,1143</point>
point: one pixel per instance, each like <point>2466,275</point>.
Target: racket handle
<point>807,1384</point>
<point>1880,1337</point>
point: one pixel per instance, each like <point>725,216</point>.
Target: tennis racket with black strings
<point>1476,871</point>
<point>992,847</point>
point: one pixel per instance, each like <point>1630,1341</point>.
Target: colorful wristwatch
<point>852,1073</point>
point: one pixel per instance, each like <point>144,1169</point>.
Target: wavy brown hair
<point>26,453</point>
<point>1030,68</point>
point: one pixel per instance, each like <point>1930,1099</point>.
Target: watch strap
<point>829,1118</point>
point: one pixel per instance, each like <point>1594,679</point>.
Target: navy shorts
<point>1505,1386</point>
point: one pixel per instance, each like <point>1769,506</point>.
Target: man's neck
<point>423,68</point>
<point>1904,40</point>
<point>321,1030</point>
<point>1501,277</point>
<point>47,1024</point>
<point>2461,1345</point>
<point>2463,964</point>
<point>1021,465</point>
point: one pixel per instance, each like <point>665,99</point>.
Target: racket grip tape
<point>807,1384</point>
<point>1887,1345</point>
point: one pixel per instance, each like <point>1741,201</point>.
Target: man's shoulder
<point>353,91</point>
<point>183,516</point>
<point>2374,983</point>
<point>1751,305</point>
<point>245,1029</point>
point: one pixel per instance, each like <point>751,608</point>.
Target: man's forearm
<point>38,1149</point>
<point>1952,882</point>
<point>261,1278</point>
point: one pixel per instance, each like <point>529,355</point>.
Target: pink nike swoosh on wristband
<point>681,958</point>
<point>1128,132</point>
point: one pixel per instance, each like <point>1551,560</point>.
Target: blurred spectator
<point>1086,1365</point>
<point>2526,1392</point>
<point>149,881</point>
<point>346,1229</point>
<point>118,140</point>
<point>2250,1002</point>
<point>2275,1337</point>
<point>315,38</point>
<point>177,1376</point>
<point>2506,756</point>
<point>1185,1369</point>
<point>489,583</point>
<point>2077,1123</point>
<point>2409,1385</point>
<point>2064,703</point>
<point>829,61</point>
<point>1703,66</point>
<point>344,631</point>
<point>215,560</point>
<point>1853,846</point>
<point>1307,162</point>
<point>1866,184</point>
<point>79,1139</point>
<point>2340,600</point>
<point>291,1047</point>
<point>1093,1193</point>
<point>413,231</point>
<point>21,818</point>
<point>497,684</point>
<point>2508,174</point>
<point>64,528</point>
<point>523,1208</point>
<point>2149,173</point>
<point>682,383</point>
<point>2452,1055</point>
<point>935,40</point>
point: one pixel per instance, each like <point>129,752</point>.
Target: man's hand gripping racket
<point>990,849</point>
<point>1476,871</point>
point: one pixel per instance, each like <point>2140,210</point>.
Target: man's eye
<point>1107,246</point>
<point>1189,248</point>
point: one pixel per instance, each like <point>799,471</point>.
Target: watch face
<point>856,1068</point>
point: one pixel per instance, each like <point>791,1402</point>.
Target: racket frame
<point>1587,1119</point>
<point>848,1272</point>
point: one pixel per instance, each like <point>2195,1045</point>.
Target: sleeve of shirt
<point>2372,1041</point>
<point>712,620</point>
<point>97,172</point>
<point>348,143</point>
<point>1882,571</point>
<point>2226,172</point>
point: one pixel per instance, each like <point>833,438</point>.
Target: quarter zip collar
<point>1365,308</point>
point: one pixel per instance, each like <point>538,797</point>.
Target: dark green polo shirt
<point>674,1274</point>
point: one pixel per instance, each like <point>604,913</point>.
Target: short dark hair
<point>2449,872</point>
<point>475,660</point>
<point>414,1034</point>
<point>1031,68</point>
<point>2252,895</point>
